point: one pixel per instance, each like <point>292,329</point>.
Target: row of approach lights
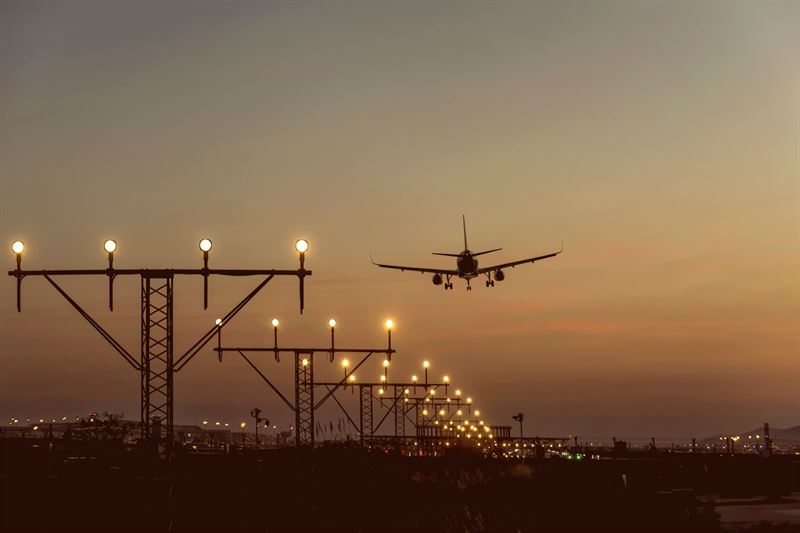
<point>110,246</point>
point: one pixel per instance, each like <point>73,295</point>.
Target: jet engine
<point>437,279</point>
<point>499,276</point>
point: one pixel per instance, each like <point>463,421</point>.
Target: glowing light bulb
<point>205,245</point>
<point>110,246</point>
<point>275,322</point>
<point>18,247</point>
<point>301,245</point>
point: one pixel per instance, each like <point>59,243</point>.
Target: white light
<point>332,323</point>
<point>426,364</point>
<point>389,324</point>
<point>275,322</point>
<point>447,379</point>
<point>345,363</point>
<point>218,321</point>
<point>385,363</point>
<point>301,245</point>
<point>18,247</point>
<point>205,245</point>
<point>110,246</point>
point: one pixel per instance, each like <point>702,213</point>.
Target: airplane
<point>467,266</point>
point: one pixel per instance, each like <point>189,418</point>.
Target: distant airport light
<point>352,378</point>
<point>389,324</point>
<point>458,392</point>
<point>110,246</point>
<point>469,400</point>
<point>414,378</point>
<point>275,322</point>
<point>345,363</point>
<point>477,413</point>
<point>301,245</point>
<point>446,379</point>
<point>385,362</point>
<point>426,364</point>
<point>332,323</point>
<point>383,379</point>
<point>205,245</point>
<point>18,247</point>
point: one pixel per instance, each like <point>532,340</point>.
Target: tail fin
<point>464,222</point>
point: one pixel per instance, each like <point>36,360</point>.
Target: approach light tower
<point>156,363</point>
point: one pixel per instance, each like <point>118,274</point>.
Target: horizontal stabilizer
<point>486,252</point>
<point>444,254</point>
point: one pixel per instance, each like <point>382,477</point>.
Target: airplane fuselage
<point>467,265</point>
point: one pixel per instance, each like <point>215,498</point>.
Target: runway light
<point>205,245</point>
<point>458,412</point>
<point>301,245</point>
<point>305,362</point>
<point>446,379</point>
<point>469,400</point>
<point>275,322</point>
<point>477,413</point>
<point>352,378</point>
<point>380,391</point>
<point>110,246</point>
<point>405,391</point>
<point>332,323</point>
<point>425,412</point>
<point>458,392</point>
<point>345,363</point>
<point>425,364</point>
<point>389,324</point>
<point>218,322</point>
<point>385,363</point>
<point>383,378</point>
<point>414,379</point>
<point>18,247</point>
<point>441,412</point>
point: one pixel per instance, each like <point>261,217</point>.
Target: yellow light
<point>301,245</point>
<point>380,391</point>
<point>275,322</point>
<point>242,425</point>
<point>477,413</point>
<point>447,379</point>
<point>345,363</point>
<point>218,322</point>
<point>469,400</point>
<point>458,392</point>
<point>441,412</point>
<point>389,324</point>
<point>305,362</point>
<point>18,247</point>
<point>332,323</point>
<point>405,391</point>
<point>352,378</point>
<point>205,245</point>
<point>385,362</point>
<point>458,412</point>
<point>414,379</point>
<point>110,246</point>
<point>426,364</point>
<point>433,392</point>
<point>383,378</point>
<point>425,412</point>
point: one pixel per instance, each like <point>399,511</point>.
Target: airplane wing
<point>444,271</point>
<point>512,264</point>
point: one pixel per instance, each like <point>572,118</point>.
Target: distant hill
<point>779,436</point>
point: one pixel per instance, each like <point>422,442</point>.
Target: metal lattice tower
<point>304,398</point>
<point>157,366</point>
<point>399,412</point>
<point>365,398</point>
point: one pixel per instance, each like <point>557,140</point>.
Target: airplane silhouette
<point>467,265</point>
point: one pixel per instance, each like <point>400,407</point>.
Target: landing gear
<point>469,287</point>
<point>490,283</point>
<point>448,284</point>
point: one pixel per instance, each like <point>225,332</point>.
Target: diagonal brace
<point>107,336</point>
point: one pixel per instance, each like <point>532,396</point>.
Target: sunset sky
<point>659,140</point>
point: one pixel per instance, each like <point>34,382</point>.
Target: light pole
<point>518,417</point>
<point>242,425</point>
<point>425,365</point>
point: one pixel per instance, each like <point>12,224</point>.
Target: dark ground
<point>355,490</point>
